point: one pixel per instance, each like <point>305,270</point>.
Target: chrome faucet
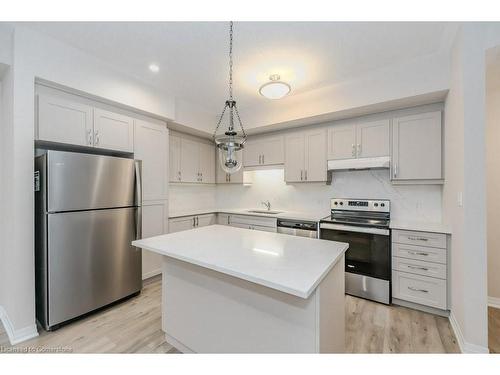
<point>267,204</point>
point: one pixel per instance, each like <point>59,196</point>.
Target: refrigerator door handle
<point>138,182</point>
<point>138,223</point>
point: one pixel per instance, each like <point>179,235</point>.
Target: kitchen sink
<point>265,212</point>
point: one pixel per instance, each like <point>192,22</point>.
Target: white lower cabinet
<point>423,290</point>
<point>419,272</point>
<point>266,224</point>
<point>190,222</point>
<point>154,223</point>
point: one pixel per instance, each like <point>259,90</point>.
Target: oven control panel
<point>379,205</point>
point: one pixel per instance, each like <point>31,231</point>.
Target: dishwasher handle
<point>292,224</point>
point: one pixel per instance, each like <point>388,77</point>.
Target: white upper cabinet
<point>264,151</point>
<point>207,163</point>
<point>342,142</point>
<point>64,121</point>
<point>68,119</point>
<point>174,158</point>
<point>305,156</point>
<point>366,139</point>
<point>294,157</point>
<point>113,131</point>
<point>191,160</point>
<point>151,146</point>
<point>373,139</point>
<point>315,155</point>
<point>416,147</point>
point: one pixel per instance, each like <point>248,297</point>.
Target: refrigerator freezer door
<point>91,261</point>
<point>82,181</point>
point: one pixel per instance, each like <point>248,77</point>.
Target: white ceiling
<point>193,55</point>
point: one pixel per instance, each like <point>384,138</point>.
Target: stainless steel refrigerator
<point>87,213</point>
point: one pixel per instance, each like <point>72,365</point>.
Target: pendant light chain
<point>231,103</point>
<point>231,60</point>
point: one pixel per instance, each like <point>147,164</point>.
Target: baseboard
<point>19,335</point>
<point>151,274</point>
<point>465,347</point>
<point>417,306</point>
<point>494,302</point>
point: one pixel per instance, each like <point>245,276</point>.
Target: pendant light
<point>230,144</point>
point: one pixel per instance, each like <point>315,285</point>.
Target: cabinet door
<point>64,121</point>
<point>416,147</point>
<point>174,158</point>
<point>252,153</point>
<point>236,178</point>
<point>315,155</point>
<point>373,139</point>
<point>207,163</point>
<point>190,158</point>
<point>342,142</point>
<point>294,157</point>
<point>204,220</point>
<point>154,223</point>
<point>113,131</point>
<point>180,224</point>
<point>151,146</point>
<point>273,151</point>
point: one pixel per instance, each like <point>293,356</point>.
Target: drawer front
<point>253,220</point>
<point>419,267</point>
<point>419,238</point>
<point>424,290</point>
<point>223,219</point>
<point>428,254</point>
<point>254,227</point>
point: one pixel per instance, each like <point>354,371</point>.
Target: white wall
<point>465,176</point>
<point>493,183</point>
<point>407,202</point>
<point>425,75</point>
<point>36,56</point>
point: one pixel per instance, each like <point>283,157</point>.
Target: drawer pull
<point>418,253</point>
<point>412,238</point>
<point>418,290</point>
<point>417,268</point>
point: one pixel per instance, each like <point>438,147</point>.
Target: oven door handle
<point>349,228</point>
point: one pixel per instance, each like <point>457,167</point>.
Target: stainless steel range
<point>364,224</point>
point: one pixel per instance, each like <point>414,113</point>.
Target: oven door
<point>369,251</point>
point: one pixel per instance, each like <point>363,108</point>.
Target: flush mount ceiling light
<point>154,68</point>
<point>275,89</point>
<point>230,144</point>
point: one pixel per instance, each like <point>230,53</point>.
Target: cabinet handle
<point>263,159</point>
<point>395,170</point>
<point>359,149</point>
<point>89,132</point>
<point>301,173</point>
<point>353,149</point>
<point>96,137</point>
<point>229,177</point>
<point>412,238</point>
<point>228,219</point>
<point>418,290</point>
<point>260,157</point>
<point>197,221</point>
<point>418,268</point>
<point>194,221</point>
<point>305,173</point>
<point>417,253</point>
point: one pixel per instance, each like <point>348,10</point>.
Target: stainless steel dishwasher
<point>298,228</point>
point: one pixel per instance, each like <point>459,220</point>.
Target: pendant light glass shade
<point>230,144</point>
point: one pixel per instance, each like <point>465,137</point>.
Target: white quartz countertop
<point>294,265</point>
<point>420,226</point>
<point>293,215</point>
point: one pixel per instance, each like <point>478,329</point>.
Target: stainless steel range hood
<point>382,162</point>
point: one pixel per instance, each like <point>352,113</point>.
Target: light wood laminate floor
<point>134,326</point>
<point>494,330</point>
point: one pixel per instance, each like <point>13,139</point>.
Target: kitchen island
<point>227,289</point>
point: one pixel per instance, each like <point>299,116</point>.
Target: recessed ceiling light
<point>275,89</point>
<point>154,68</point>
